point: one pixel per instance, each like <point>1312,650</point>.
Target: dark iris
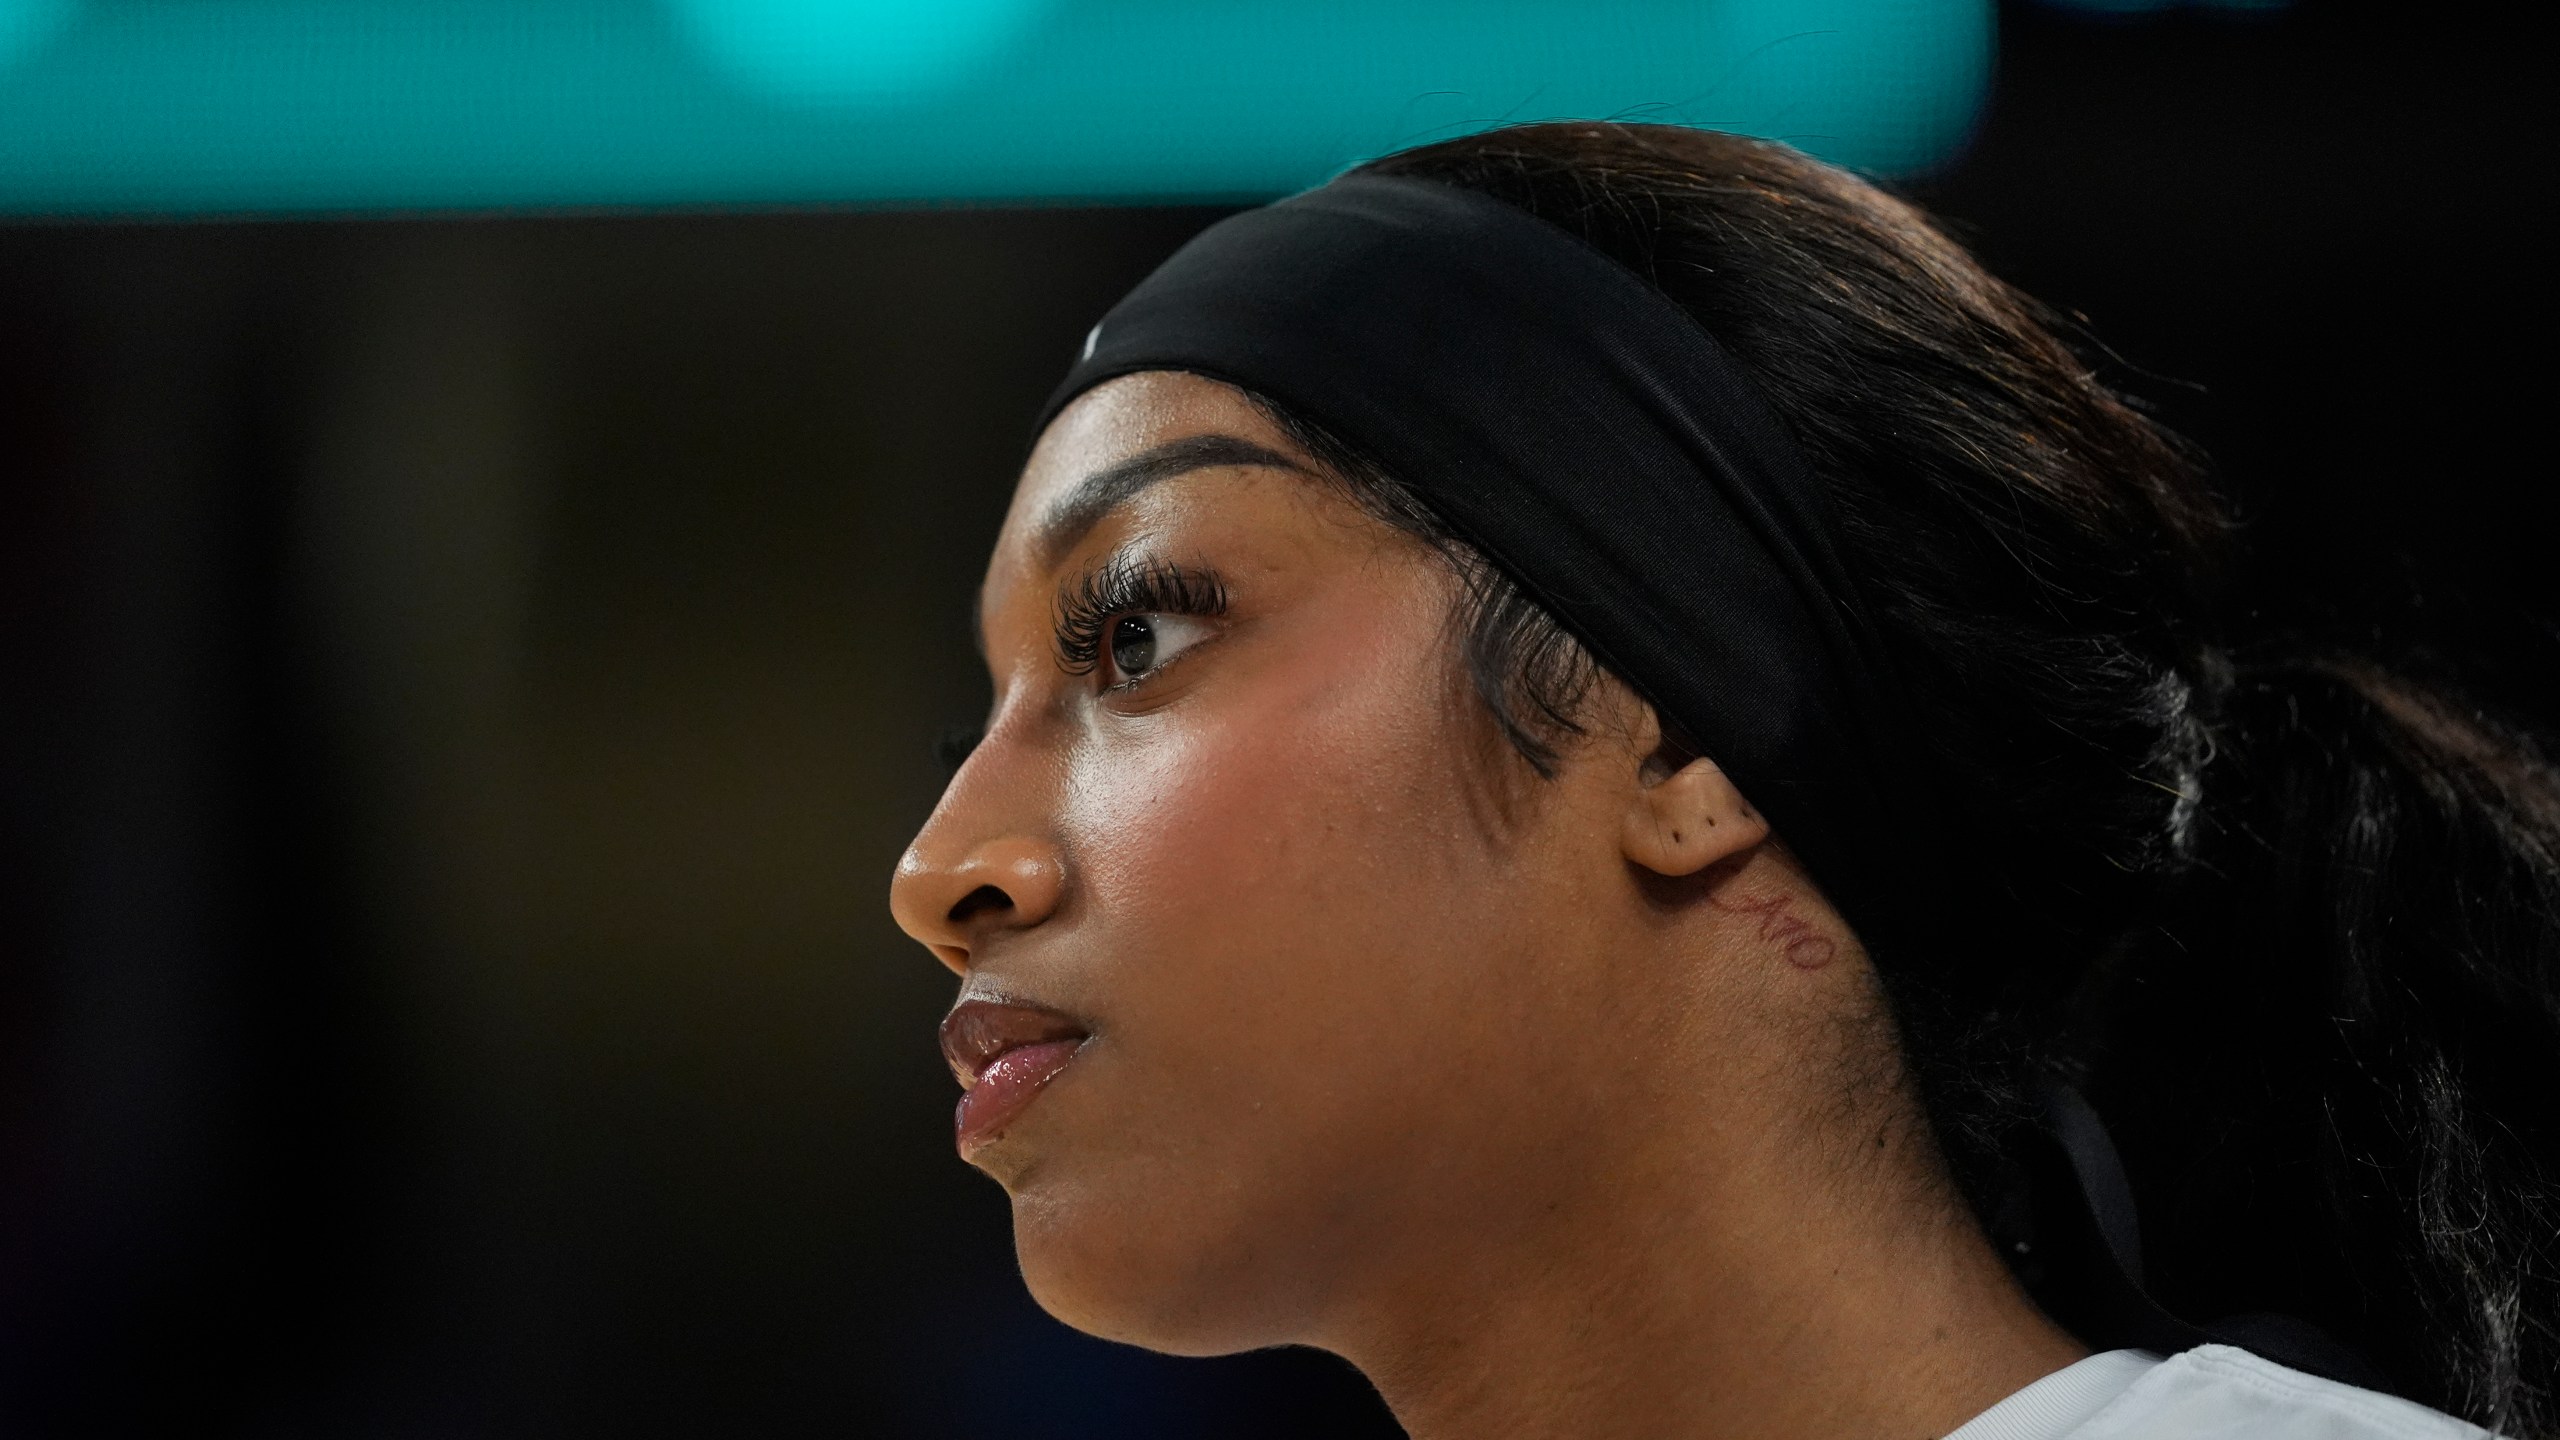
<point>1133,645</point>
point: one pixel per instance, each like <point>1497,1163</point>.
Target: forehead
<point>1106,448</point>
<point>1119,419</point>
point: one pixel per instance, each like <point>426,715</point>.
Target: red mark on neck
<point>1805,947</point>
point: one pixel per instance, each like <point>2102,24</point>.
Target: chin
<point>1106,1261</point>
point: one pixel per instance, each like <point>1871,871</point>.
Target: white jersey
<point>2212,1392</point>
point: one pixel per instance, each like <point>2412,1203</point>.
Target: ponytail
<point>2292,926</point>
<point>2335,1068</point>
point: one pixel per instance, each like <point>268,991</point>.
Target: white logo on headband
<point>1092,338</point>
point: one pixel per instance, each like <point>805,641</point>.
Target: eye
<point>1141,644</point>
<point>1128,617</point>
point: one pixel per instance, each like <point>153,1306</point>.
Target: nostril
<point>985,897</point>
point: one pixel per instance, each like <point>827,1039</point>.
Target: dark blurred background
<point>464,683</point>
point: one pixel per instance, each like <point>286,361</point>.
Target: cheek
<point>1282,905</point>
<point>1264,861</point>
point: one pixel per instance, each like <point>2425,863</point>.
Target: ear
<point>1683,819</point>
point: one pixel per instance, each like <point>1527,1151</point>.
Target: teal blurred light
<point>300,106</point>
<point>25,26</point>
<point>853,51</point>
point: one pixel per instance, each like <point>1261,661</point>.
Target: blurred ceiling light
<point>853,51</point>
<point>25,26</point>
<point>301,106</point>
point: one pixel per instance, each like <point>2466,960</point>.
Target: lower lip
<point>1007,1087</point>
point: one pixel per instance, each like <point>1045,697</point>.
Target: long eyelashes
<point>1119,586</point>
<point>1123,585</point>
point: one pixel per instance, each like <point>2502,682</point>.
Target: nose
<point>955,896</point>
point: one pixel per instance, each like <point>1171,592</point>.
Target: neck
<point>1673,1302</point>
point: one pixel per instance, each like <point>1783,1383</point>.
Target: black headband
<point>1594,442</point>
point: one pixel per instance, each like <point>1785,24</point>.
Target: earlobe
<point>1684,821</point>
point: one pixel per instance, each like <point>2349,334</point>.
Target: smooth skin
<point>1561,1107</point>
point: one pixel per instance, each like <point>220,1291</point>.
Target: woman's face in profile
<point>1277,969</point>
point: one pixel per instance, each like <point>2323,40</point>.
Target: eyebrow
<point>1107,489</point>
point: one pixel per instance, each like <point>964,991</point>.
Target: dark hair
<point>2287,918</point>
